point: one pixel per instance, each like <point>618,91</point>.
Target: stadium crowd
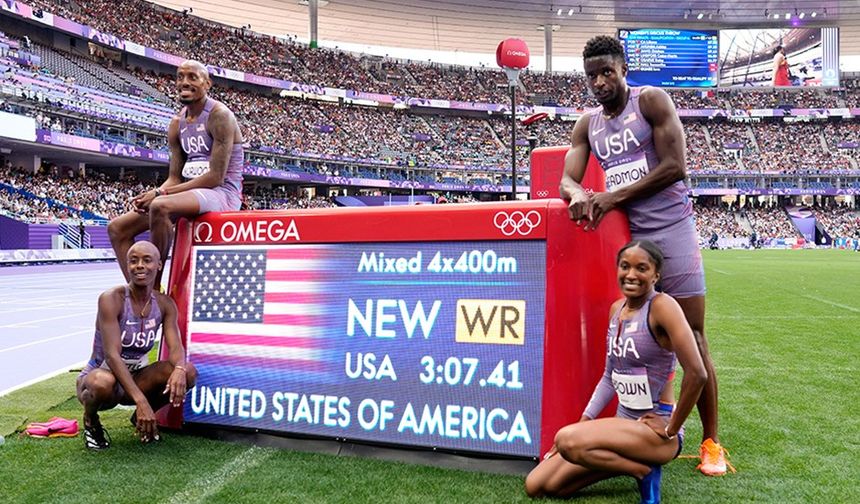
<point>717,221</point>
<point>404,138</point>
<point>52,189</point>
<point>341,140</point>
<point>278,200</point>
<point>770,222</point>
<point>186,35</point>
<point>56,193</point>
<point>302,127</point>
<point>705,155</point>
<point>793,147</point>
<point>839,221</point>
<point>787,99</point>
<point>28,209</point>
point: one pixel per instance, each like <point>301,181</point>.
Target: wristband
<point>179,367</point>
<point>666,431</point>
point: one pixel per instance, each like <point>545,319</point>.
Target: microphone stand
<point>513,75</point>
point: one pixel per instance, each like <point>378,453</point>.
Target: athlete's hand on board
<point>579,207</point>
<point>601,204</point>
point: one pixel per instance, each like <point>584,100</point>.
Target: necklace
<point>144,307</point>
<point>142,311</point>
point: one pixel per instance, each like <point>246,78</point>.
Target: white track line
<point>29,323</point>
<point>28,298</point>
<point>37,282</point>
<point>27,307</point>
<point>792,369</point>
<point>720,271</point>
<point>43,377</point>
<point>205,487</point>
<point>831,303</point>
<point>39,342</point>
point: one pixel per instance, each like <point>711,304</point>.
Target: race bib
<point>131,364</point>
<point>194,169</point>
<point>135,364</point>
<point>621,176</point>
<point>632,388</point>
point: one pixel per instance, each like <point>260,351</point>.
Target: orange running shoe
<point>713,457</point>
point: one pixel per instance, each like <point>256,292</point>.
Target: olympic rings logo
<point>542,194</point>
<point>517,222</point>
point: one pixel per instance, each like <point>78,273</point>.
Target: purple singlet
<point>138,337</point>
<point>197,145</point>
<point>624,146</point>
<point>637,368</point>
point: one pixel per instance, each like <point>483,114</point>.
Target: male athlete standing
<point>638,139</point>
<point>206,159</point>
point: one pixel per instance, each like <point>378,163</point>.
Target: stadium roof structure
<point>479,25</point>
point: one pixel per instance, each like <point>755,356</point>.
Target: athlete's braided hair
<point>603,45</point>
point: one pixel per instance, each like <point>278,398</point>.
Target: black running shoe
<point>96,438</point>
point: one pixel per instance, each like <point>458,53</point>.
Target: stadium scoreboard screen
<point>671,58</point>
<point>445,327</point>
<point>407,343</point>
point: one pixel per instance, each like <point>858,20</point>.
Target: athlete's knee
<point>161,372</point>
<point>534,485</point>
<point>160,208</point>
<point>116,230</point>
<point>98,387</point>
<point>570,443</point>
<point>190,374</point>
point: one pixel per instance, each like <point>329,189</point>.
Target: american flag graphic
<point>262,308</point>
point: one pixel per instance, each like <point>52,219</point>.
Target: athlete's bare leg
<point>158,220</point>
<point>122,232</point>
<point>163,211</point>
<point>152,379</point>
<point>694,310</point>
<point>97,391</point>
<point>598,449</point>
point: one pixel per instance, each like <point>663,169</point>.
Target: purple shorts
<point>118,390</point>
<point>220,199</point>
<point>683,273</point>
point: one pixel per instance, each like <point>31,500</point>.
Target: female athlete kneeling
<point>647,332</point>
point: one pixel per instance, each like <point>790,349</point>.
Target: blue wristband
<point>668,408</point>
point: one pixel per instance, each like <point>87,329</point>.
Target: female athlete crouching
<point>647,332</point>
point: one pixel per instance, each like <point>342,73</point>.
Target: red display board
<point>474,328</point>
<point>547,165</point>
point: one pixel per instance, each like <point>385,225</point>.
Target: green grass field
<point>784,329</point>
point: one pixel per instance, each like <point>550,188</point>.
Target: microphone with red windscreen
<point>512,55</point>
